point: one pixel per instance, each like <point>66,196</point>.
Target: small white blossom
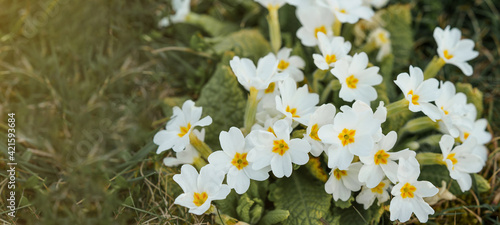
<point>482,136</point>
<point>292,65</point>
<point>187,156</point>
<point>181,8</point>
<point>368,195</point>
<point>322,116</point>
<point>176,135</point>
<point>453,107</point>
<point>381,38</point>
<point>342,182</point>
<point>453,50</point>
<point>296,103</point>
<point>314,20</point>
<point>258,77</point>
<point>348,11</point>
<point>332,49</point>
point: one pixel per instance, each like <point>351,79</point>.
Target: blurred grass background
<point>89,92</point>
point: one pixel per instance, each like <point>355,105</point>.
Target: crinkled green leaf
<point>344,204</point>
<point>389,86</point>
<point>248,43</point>
<point>228,205</point>
<point>258,189</point>
<point>250,210</point>
<point>223,100</point>
<point>274,217</point>
<point>398,22</point>
<point>303,196</point>
<point>437,173</point>
<point>211,25</point>
<point>356,214</point>
<point>474,96</point>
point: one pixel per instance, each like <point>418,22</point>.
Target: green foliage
<point>274,217</point>
<point>211,25</point>
<point>344,204</point>
<point>437,173</point>
<point>398,21</point>
<point>356,214</point>
<point>228,205</point>
<point>247,43</point>
<point>303,196</point>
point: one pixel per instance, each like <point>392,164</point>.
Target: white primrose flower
<point>409,193</point>
<point>292,65</point>
<point>357,81</point>
<point>375,3</point>
<point>332,51</point>
<point>301,3</point>
<point>277,149</point>
<point>181,8</point>
<point>322,116</point>
<point>267,122</point>
<point>461,161</point>
<point>482,136</point>
<point>453,50</point>
<point>381,38</point>
<point>200,190</point>
<point>271,3</point>
<point>176,135</point>
<point>353,132</point>
<point>342,182</point>
<point>233,161</point>
<point>188,156</point>
<point>267,98</point>
<point>258,77</point>
<point>419,92</point>
<point>380,162</point>
<point>453,107</point>
<point>296,103</point>
<point>368,195</point>
<point>348,11</point>
<point>314,20</point>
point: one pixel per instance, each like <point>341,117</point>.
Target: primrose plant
<point>319,129</point>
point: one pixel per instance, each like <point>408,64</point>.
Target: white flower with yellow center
<point>233,161</point>
<point>352,133</point>
<point>419,92</point>
<point>277,149</point>
<point>342,182</point>
<point>259,77</point>
<point>380,162</point>
<point>482,136</point>
<point>333,50</point>
<point>276,4</point>
<point>409,193</point>
<point>357,80</point>
<point>348,11</point>
<point>181,8</point>
<point>292,65</point>
<point>296,103</point>
<point>461,161</point>
<point>381,38</point>
<point>266,123</point>
<point>200,190</point>
<point>453,107</point>
<point>322,116</point>
<point>368,195</point>
<point>314,20</point>
<point>188,156</point>
<point>454,51</point>
<point>176,135</point>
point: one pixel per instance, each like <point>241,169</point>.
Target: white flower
<point>296,103</point>
<point>443,194</point>
<point>233,161</point>
<point>267,123</point>
<point>381,38</point>
<point>301,3</point>
<point>482,136</point>
<point>332,51</point>
<point>352,133</point>
<point>380,162</point>
<point>342,182</point>
<point>322,116</point>
<point>181,8</point>
<point>176,135</point>
<point>272,3</point>
<point>419,92</point>
<point>409,193</point>
<point>453,50</point>
<point>460,160</point>
<point>292,65</point>
<point>453,107</point>
<point>258,77</point>
<point>188,156</point>
<point>314,20</point>
<point>357,80</point>
<point>200,190</point>
<point>348,11</point>
<point>376,3</point>
<point>277,150</point>
<point>368,195</point>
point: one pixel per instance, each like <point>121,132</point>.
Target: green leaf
<point>211,25</point>
<point>274,217</point>
<point>437,173</point>
<point>398,21</point>
<point>356,214</point>
<point>258,189</point>
<point>250,210</point>
<point>223,100</point>
<point>245,43</point>
<point>228,205</point>
<point>482,184</point>
<point>303,196</point>
<point>344,204</point>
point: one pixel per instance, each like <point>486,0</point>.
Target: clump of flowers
<point>324,122</point>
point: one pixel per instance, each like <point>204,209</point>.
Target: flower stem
<point>337,27</point>
<point>433,67</point>
<point>430,158</point>
<point>418,125</point>
<point>200,146</point>
<point>250,110</point>
<point>396,107</point>
<point>199,163</point>
<point>274,28</point>
<point>318,76</point>
<point>334,85</point>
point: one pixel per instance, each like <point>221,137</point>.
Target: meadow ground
<point>89,91</point>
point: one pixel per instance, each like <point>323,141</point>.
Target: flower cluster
<point>285,124</point>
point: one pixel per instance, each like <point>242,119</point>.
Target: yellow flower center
<point>293,111</point>
<point>339,173</point>
<point>466,135</point>
<point>283,65</point>
<point>270,129</point>
<point>382,38</point>
<point>321,29</point>
<point>270,88</point>
<point>199,199</point>
<point>184,130</point>
<point>240,160</point>
<point>314,132</point>
<point>330,59</point>
<point>347,136</point>
<point>445,112</point>
<point>379,188</point>
<point>351,81</point>
<point>451,157</point>
<point>407,191</point>
<point>280,147</point>
<point>414,98</point>
<point>381,157</point>
<point>447,55</point>
<point>343,11</point>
